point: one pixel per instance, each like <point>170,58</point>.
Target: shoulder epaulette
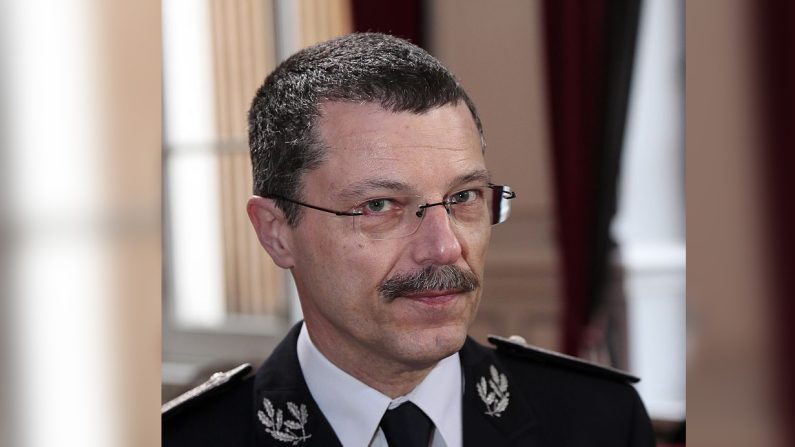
<point>216,382</point>
<point>516,345</point>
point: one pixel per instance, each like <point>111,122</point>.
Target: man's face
<point>373,153</point>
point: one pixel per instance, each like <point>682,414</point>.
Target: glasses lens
<point>470,207</point>
<point>484,206</point>
<point>500,204</point>
<point>396,217</point>
<point>388,218</point>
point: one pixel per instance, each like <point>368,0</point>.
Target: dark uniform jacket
<point>514,395</point>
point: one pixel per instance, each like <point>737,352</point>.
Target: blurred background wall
<point>80,223</point>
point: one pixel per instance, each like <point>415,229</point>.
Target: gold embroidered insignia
<point>282,429</point>
<point>495,395</point>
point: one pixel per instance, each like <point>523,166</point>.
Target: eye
<point>378,205</point>
<point>464,196</point>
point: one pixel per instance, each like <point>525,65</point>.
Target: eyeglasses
<point>400,216</point>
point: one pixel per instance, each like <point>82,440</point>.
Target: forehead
<point>363,142</point>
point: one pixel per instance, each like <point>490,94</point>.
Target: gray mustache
<point>432,277</point>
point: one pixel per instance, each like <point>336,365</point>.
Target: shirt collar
<point>439,396</point>
<point>354,409</point>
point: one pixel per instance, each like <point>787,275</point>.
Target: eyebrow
<point>362,188</point>
<point>479,175</point>
<point>358,189</point>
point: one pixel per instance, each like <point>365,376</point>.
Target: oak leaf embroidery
<point>494,393</point>
<point>285,430</point>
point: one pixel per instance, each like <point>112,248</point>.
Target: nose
<point>436,242</point>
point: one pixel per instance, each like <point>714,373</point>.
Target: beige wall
<point>132,72</point>
<point>496,50</point>
<point>730,360</point>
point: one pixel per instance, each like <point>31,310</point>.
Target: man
<point>371,187</point>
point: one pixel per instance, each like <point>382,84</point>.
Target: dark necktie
<point>406,426</point>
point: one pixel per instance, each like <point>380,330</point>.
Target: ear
<point>271,227</point>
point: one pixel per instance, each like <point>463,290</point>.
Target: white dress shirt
<point>354,410</point>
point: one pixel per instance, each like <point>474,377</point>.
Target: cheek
<point>365,263</point>
<point>474,245</point>
<point>357,266</point>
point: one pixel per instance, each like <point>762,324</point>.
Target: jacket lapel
<point>284,411</point>
<point>494,410</point>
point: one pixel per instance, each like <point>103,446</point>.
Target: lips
<point>435,296</point>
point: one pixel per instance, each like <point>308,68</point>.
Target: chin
<point>429,346</point>
<point>451,339</point>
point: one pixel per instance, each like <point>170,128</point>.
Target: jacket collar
<point>489,423</point>
<point>281,382</point>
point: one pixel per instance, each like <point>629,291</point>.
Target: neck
<point>389,377</point>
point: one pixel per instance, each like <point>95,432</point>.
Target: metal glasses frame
<point>420,212</point>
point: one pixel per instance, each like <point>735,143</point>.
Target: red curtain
<point>775,47</point>
<point>402,18</point>
<point>589,51</point>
